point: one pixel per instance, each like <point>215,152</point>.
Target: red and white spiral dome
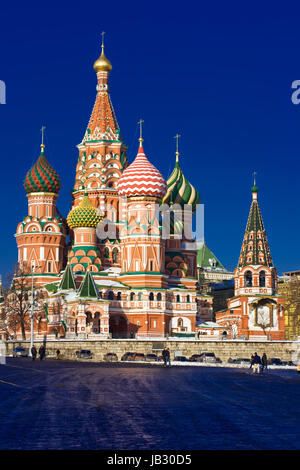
<point>141,178</point>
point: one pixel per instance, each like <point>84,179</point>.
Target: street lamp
<point>33,268</point>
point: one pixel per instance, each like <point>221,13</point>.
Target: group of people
<point>42,352</point>
<point>258,363</point>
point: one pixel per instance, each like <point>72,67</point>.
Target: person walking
<point>251,361</point>
<point>42,352</point>
<point>166,357</point>
<point>33,352</point>
<point>264,361</point>
<point>256,363</point>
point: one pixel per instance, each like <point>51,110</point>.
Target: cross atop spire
<point>102,34</point>
<point>140,122</point>
<point>254,188</point>
<point>177,152</point>
<point>42,144</point>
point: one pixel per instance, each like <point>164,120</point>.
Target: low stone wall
<point>285,350</point>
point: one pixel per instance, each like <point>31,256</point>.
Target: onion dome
<point>180,191</point>
<point>84,215</point>
<point>42,177</point>
<point>141,178</point>
<point>102,64</point>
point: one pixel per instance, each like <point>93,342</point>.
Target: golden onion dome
<point>102,64</point>
<point>84,215</point>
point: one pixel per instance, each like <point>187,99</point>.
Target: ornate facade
<point>256,310</point>
<point>107,269</point>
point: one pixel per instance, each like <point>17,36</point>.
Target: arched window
<point>151,296</point>
<point>115,255</point>
<point>158,298</point>
<point>188,299</point>
<point>132,296</point>
<point>248,279</point>
<point>106,252</point>
<point>262,279</point>
<point>119,296</point>
<point>139,296</point>
<point>180,322</point>
<point>177,298</point>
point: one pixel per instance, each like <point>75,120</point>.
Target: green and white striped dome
<point>180,191</point>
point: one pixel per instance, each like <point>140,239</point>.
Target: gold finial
<point>141,131</point>
<point>102,34</point>
<point>177,153</point>
<point>42,144</point>
<point>102,64</point>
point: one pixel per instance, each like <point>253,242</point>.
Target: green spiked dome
<point>42,178</point>
<point>84,215</point>
<point>180,191</point>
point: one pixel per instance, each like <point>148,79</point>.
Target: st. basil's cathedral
<point>107,270</point>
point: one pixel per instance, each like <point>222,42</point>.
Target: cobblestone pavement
<point>82,405</point>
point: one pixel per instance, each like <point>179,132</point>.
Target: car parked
<point>275,361</point>
<point>151,357</point>
<point>181,359</point>
<point>139,357</point>
<point>20,352</point>
<point>84,354</point>
<point>109,357</point>
<point>208,357</point>
<point>195,358</point>
<point>243,361</point>
<point>128,356</point>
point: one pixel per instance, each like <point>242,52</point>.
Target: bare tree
<point>17,303</point>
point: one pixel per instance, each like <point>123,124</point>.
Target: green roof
<point>206,258</point>
<point>88,287</point>
<point>68,281</point>
<point>255,248</point>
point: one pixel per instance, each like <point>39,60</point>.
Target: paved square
<point>68,405</point>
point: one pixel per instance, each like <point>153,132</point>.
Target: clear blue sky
<point>218,73</point>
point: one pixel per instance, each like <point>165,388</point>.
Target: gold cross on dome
<point>42,131</point>
<point>141,130</point>
<point>102,34</point>
<point>254,177</point>
<point>177,152</point>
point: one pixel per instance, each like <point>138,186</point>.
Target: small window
<point>158,298</point>
<point>248,279</point>
<point>151,296</point>
<point>262,279</point>
<point>132,296</point>
<point>177,298</point>
<point>188,299</point>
